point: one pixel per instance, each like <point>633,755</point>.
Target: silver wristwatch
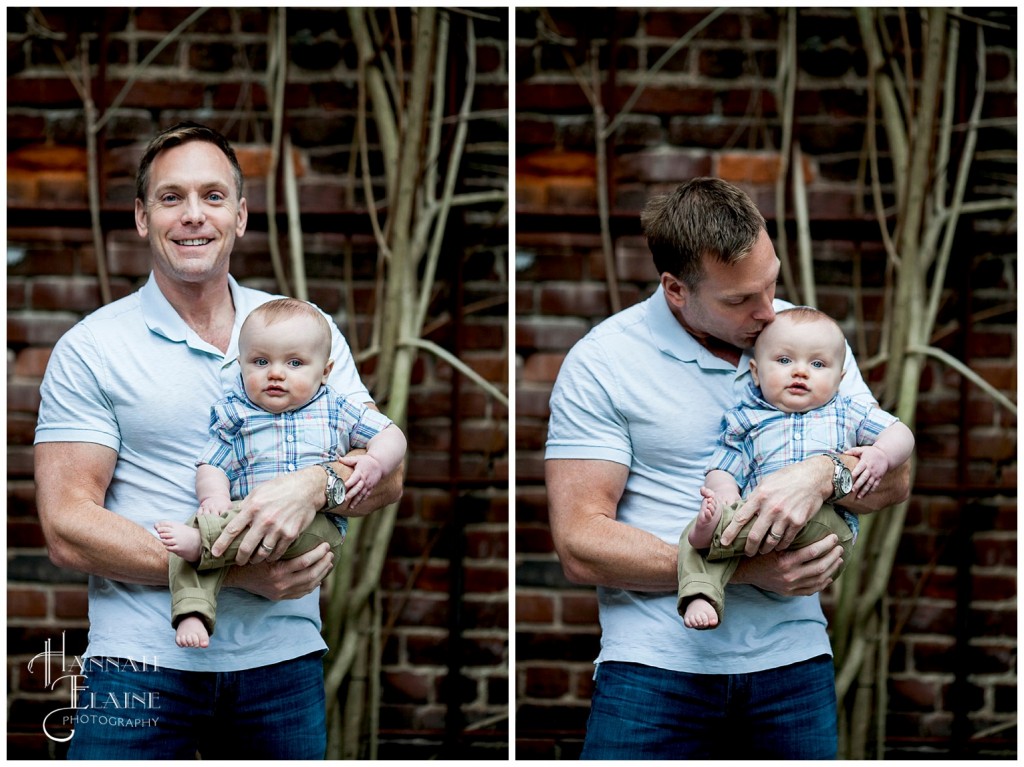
<point>335,488</point>
<point>842,480</point>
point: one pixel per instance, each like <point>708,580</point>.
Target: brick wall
<point>712,111</point>
<point>445,662</point>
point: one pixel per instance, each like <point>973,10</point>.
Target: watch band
<point>837,471</point>
<point>333,481</point>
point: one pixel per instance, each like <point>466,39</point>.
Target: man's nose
<point>765,311</point>
<point>192,211</point>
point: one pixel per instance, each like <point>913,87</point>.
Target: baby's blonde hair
<point>807,314</point>
<point>281,309</point>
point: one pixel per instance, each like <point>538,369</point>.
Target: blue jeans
<point>271,712</point>
<point>639,712</point>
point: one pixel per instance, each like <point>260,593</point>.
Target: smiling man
<point>123,417</point>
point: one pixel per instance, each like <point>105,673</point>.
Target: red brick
<point>37,328</point>
<point>571,192</point>
<point>26,603</point>
<point>70,603</point>
<point>534,608</point>
<point>546,682</point>
<point>25,534</point>
<point>21,428</point>
<point>542,367</point>
<point>31,362</point>
<point>23,396</point>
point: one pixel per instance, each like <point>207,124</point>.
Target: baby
<point>282,417</point>
<point>793,411</point>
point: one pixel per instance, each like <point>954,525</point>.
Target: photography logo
<point>111,709</point>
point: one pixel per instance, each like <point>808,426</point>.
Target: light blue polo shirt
<point>640,391</point>
<point>134,377</point>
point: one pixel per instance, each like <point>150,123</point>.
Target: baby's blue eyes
<point>815,364</point>
<point>262,362</point>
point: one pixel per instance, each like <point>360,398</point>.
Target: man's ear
<point>753,372</point>
<point>243,217</point>
<point>675,290</point>
<point>141,222</point>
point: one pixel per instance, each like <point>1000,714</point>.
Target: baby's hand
<point>367,472</point>
<point>872,466</point>
<point>214,506</point>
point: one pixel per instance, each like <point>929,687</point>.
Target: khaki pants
<point>194,587</point>
<point>706,574</point>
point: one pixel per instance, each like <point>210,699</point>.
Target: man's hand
<point>275,513</point>
<point>782,503</point>
<point>797,573</point>
<point>287,579</point>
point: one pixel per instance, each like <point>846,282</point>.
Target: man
<point>123,418</point>
<point>635,415</point>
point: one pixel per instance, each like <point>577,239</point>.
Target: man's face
<point>283,364</point>
<point>799,365</point>
<point>733,302</point>
<point>192,213</point>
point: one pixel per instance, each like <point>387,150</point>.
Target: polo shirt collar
<point>673,339</point>
<point>162,319</point>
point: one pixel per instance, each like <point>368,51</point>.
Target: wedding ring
<point>773,535</point>
<point>265,547</point>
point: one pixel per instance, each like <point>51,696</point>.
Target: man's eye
<point>215,197</point>
<point>169,199</point>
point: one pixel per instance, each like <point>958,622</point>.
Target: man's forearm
<point>893,489</point>
<point>605,552</point>
<point>388,490</point>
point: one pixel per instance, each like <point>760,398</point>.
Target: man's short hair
<point>702,217</point>
<point>179,134</point>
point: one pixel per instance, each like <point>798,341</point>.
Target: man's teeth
<point>192,242</point>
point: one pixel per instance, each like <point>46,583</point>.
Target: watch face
<point>337,493</point>
<point>846,481</point>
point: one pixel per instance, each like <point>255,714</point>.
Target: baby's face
<point>283,364</point>
<point>799,365</point>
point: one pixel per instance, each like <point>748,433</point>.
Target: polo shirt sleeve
<point>853,385</point>
<point>587,420</point>
<point>75,405</point>
<point>344,377</point>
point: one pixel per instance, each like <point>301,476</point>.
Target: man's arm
<point>595,548</point>
<point>81,534</point>
<point>278,510</point>
<point>787,498</point>
<point>71,486</point>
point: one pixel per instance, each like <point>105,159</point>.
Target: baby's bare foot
<point>703,532</point>
<point>180,539</point>
<point>700,615</point>
<point>192,633</point>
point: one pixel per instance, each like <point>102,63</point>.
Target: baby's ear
<point>753,371</point>
<point>327,370</point>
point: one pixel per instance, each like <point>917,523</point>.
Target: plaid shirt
<point>252,445</point>
<point>759,439</point>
